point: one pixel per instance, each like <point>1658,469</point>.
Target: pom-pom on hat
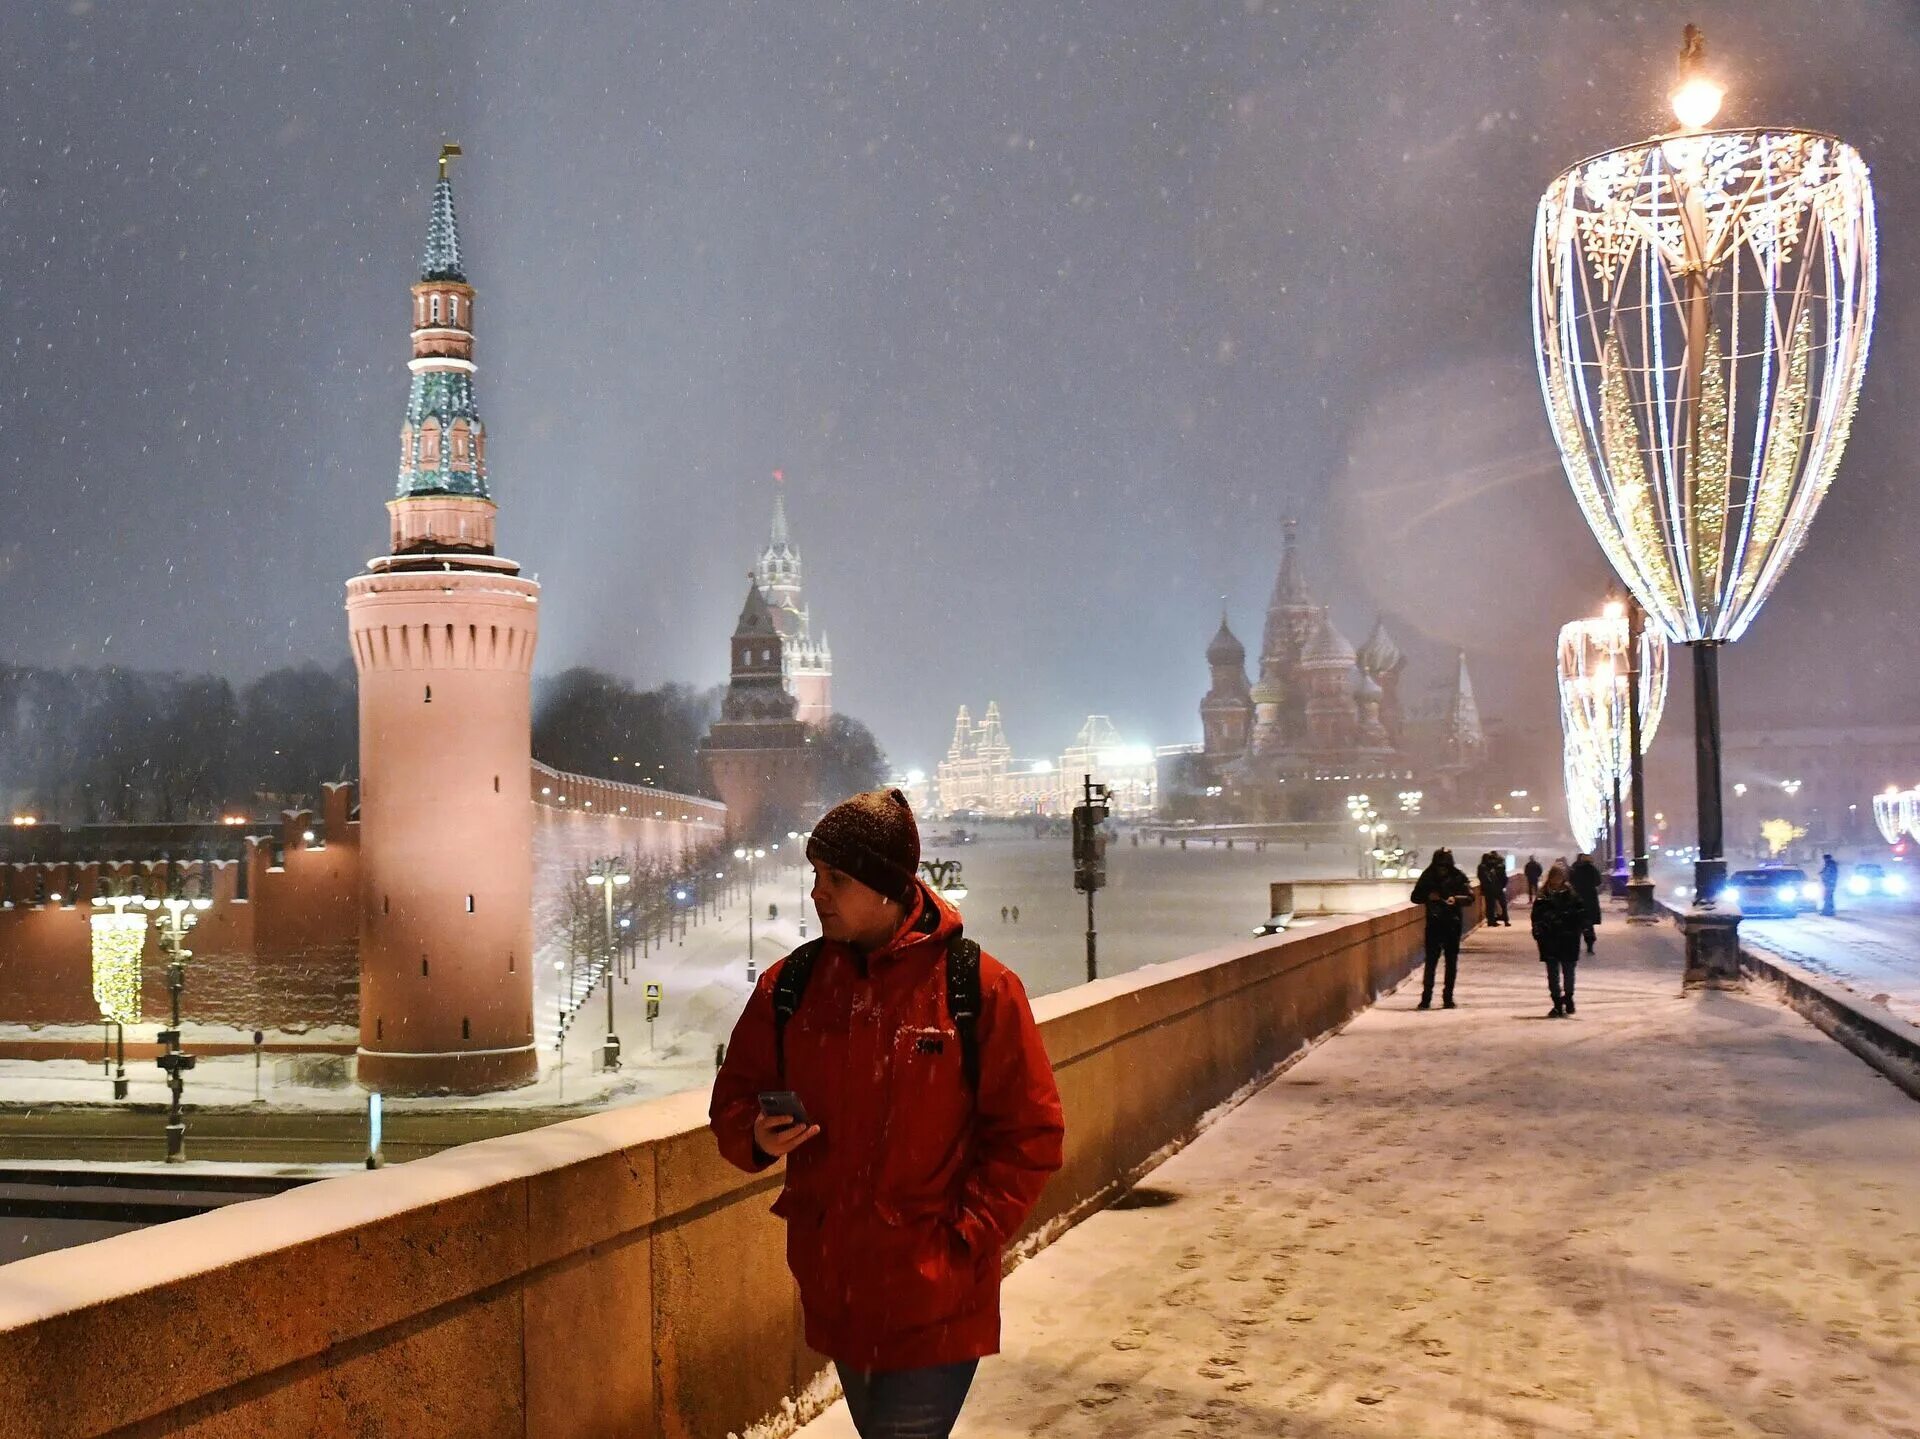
<point>872,837</point>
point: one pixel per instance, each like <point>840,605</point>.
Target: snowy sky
<point>1050,312</point>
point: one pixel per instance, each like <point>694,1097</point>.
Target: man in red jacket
<point>909,1175</point>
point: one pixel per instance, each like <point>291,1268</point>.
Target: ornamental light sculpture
<point>1612,692</point>
<point>117,942</point>
<point>1703,304</point>
<point>1586,803</point>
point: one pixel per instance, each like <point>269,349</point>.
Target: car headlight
<point>1894,884</point>
<point>1858,885</point>
<point>1735,896</point>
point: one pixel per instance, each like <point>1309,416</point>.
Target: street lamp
<point>800,837</point>
<point>1703,305</point>
<point>944,875</point>
<point>606,877</point>
<point>183,913</point>
<point>750,854</point>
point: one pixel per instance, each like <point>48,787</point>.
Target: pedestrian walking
<point>1003,914</point>
<point>1445,892</point>
<point>1559,920</point>
<point>918,1133</point>
<point>1584,876</point>
<point>1533,872</point>
<point>1493,888</point>
<point>1829,882</point>
<point>1016,914</point>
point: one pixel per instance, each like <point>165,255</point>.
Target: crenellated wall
<point>278,949</point>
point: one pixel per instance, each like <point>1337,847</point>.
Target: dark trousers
<point>1826,898</point>
<point>1496,898</point>
<point>906,1403</point>
<point>1441,939</point>
<point>1560,968</point>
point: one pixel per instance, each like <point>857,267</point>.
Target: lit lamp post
<point>749,854</point>
<point>606,877</point>
<point>182,914</point>
<point>800,838</point>
<point>1703,303</point>
<point>944,875</point>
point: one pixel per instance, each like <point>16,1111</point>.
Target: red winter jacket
<point>898,1209</point>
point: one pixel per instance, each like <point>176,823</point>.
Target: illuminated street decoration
<point>1703,304</point>
<point>1910,812</point>
<point>1887,815</point>
<point>1587,795</point>
<point>1593,690</point>
<point>118,941</point>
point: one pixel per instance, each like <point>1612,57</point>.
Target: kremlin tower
<point>443,633</point>
<point>808,663</point>
<point>757,753</point>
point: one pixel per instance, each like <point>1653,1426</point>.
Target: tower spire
<point>443,445</point>
<point>779,538</point>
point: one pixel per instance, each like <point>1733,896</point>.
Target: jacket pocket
<point>917,1272</point>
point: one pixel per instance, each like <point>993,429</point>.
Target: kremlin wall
<point>278,947</point>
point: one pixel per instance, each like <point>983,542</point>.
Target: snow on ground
<point>1669,1216</point>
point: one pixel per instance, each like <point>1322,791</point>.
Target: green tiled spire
<point>443,450</point>
<point>442,258</point>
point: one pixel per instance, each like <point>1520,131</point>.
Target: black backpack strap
<point>788,990</point>
<point>963,1004</point>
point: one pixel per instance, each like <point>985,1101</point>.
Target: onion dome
<point>1380,655</point>
<point>1366,689</point>
<point>1225,649</point>
<point>1269,691</point>
<point>1328,647</point>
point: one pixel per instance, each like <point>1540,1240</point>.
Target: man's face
<point>849,911</point>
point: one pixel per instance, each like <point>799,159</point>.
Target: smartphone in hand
<point>783,1102</point>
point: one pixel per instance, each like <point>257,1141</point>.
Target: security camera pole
<point>1090,854</point>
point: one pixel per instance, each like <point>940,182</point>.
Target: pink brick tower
<point>443,634</point>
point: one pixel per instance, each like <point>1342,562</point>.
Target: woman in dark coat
<point>1445,892</point>
<point>1559,919</point>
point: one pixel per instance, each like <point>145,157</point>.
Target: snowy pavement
<point>1873,952</point>
<point>1669,1216</point>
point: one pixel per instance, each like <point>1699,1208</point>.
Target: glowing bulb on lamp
<point>1696,99</point>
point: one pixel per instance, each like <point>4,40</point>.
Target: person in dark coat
<point>1533,873</point>
<point>1585,879</point>
<point>1829,882</point>
<point>905,1182</point>
<point>1493,888</point>
<point>1559,919</point>
<point>1445,892</point>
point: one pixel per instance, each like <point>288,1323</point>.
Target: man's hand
<point>780,1134</point>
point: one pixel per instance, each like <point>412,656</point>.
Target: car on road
<point>1777,891</point>
<point>1275,924</point>
<point>1872,879</point>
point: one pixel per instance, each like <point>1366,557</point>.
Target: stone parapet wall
<point>607,1275</point>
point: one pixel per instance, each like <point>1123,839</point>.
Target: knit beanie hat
<point>872,837</point>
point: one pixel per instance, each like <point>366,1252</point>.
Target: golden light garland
<point>119,941</point>
<point>1749,254</point>
<point>1592,671</point>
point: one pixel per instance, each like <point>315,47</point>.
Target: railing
<point>610,1274</point>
